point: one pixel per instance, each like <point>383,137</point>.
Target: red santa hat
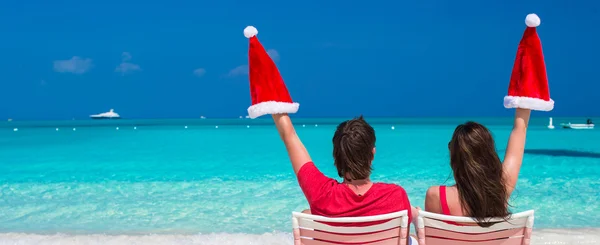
<point>267,89</point>
<point>528,87</point>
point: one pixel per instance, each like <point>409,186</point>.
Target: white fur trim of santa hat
<point>528,103</point>
<point>272,107</point>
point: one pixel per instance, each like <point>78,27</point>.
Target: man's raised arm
<point>296,150</point>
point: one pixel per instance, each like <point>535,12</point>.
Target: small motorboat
<point>588,125</point>
<point>106,115</point>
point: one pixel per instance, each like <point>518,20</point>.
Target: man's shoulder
<point>310,171</point>
<point>392,188</point>
<point>307,166</point>
<point>393,193</point>
<point>389,185</point>
<point>314,183</point>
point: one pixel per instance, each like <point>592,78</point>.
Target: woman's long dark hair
<point>478,173</point>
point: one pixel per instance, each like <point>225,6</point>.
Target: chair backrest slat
<point>310,224</point>
<point>355,238</point>
<point>394,241</point>
<point>518,223</point>
<point>389,229</point>
<point>441,241</point>
<point>435,229</point>
<point>433,232</point>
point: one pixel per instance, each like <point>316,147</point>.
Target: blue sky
<point>178,59</point>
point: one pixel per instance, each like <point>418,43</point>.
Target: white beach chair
<point>309,229</point>
<point>432,230</point>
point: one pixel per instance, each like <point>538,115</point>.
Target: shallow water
<point>164,179</point>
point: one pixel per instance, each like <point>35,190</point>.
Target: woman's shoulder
<point>432,199</point>
<point>433,191</point>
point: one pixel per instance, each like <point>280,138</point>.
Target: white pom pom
<point>250,31</point>
<point>532,20</point>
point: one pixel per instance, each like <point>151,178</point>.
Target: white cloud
<point>126,56</point>
<point>238,71</point>
<point>125,66</point>
<point>200,72</point>
<point>273,54</point>
<point>74,65</point>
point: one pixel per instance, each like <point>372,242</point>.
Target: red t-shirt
<point>327,197</point>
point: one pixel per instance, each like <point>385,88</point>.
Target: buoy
<point>550,126</point>
<point>15,129</point>
<point>56,129</point>
<point>247,126</point>
<point>185,127</point>
<point>316,125</point>
<point>303,125</point>
<point>74,129</point>
<point>216,126</point>
<point>134,127</point>
<point>117,128</point>
<point>393,127</point>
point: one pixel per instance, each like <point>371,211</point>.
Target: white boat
<point>577,125</point>
<point>106,115</point>
<point>550,126</point>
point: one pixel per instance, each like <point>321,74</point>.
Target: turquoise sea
<point>233,177</point>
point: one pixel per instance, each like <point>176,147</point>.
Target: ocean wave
<point>275,238</point>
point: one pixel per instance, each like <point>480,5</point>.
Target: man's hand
<point>415,213</point>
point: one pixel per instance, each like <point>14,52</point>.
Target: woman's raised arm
<point>515,149</point>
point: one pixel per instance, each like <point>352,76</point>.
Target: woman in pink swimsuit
<point>483,182</point>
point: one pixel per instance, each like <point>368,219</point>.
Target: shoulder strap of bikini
<point>443,201</point>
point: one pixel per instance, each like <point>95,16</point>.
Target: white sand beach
<point>541,237</point>
<point>566,236</point>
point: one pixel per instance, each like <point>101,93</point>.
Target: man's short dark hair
<point>353,144</point>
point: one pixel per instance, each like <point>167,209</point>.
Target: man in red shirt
<point>353,152</point>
